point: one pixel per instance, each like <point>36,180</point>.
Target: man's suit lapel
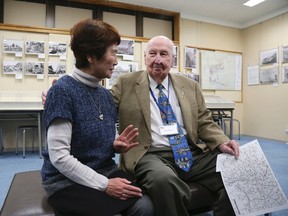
<point>143,96</point>
<point>183,99</point>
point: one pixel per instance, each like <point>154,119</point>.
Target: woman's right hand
<point>122,189</point>
<point>126,140</point>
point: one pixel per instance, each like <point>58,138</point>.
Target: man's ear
<point>173,58</point>
<point>145,57</point>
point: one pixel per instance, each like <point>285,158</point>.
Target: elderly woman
<point>79,173</point>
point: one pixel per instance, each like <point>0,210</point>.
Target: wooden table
<point>23,111</point>
<point>222,107</point>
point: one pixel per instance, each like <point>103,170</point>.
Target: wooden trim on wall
<point>22,28</point>
<point>138,9</point>
<point>139,24</point>
<point>215,50</point>
<point>126,6</point>
<point>176,28</point>
<point>98,6</point>
<point>50,14</point>
<point>2,11</point>
<point>97,13</point>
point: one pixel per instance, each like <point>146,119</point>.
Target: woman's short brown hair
<point>92,38</point>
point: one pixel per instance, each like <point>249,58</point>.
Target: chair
<point>234,120</point>
<point>25,128</point>
<point>217,117</point>
<point>1,140</point>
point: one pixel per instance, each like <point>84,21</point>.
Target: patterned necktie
<point>182,154</point>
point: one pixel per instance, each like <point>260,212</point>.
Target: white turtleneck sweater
<point>59,146</point>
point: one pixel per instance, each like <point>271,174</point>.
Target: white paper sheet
<point>253,75</point>
<point>250,182</point>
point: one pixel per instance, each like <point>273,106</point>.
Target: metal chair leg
<point>32,131</point>
<point>17,133</point>
<point>1,140</point>
<point>23,142</point>
<point>229,119</point>
<point>24,129</point>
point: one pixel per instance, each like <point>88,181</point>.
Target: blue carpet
<point>11,164</point>
<point>276,153</point>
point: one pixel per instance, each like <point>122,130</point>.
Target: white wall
<point>261,109</point>
<point>265,106</point>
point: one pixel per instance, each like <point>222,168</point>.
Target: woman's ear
<point>90,59</point>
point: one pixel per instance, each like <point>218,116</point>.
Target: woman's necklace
<point>98,108</point>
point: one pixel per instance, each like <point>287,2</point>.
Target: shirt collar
<point>153,84</point>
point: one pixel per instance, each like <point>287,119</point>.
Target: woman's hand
<point>122,189</point>
<point>126,140</point>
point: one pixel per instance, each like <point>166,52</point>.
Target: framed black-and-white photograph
<point>56,69</point>
<point>175,56</point>
<point>12,67</point>
<point>13,46</point>
<point>121,68</point>
<point>34,47</point>
<point>126,49</point>
<point>57,49</point>
<point>190,57</point>
<point>269,57</point>
<point>34,68</point>
<point>285,74</point>
<point>284,54</point>
<point>193,76</point>
<point>268,75</point>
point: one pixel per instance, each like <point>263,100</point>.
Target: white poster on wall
<point>253,75</point>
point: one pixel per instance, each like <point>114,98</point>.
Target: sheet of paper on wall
<point>250,182</point>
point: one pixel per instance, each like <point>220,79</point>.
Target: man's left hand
<point>231,147</point>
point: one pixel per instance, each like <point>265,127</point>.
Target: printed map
<point>251,185</point>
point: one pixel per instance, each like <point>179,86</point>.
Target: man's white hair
<point>161,37</point>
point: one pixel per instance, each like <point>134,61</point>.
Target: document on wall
<point>250,182</point>
<point>253,75</point>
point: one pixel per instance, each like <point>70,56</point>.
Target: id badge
<point>169,129</point>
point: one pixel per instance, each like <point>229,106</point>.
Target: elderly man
<point>181,119</point>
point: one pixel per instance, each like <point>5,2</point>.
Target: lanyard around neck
<point>163,111</point>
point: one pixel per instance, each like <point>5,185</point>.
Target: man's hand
<point>122,189</point>
<point>44,93</point>
<point>231,147</point>
<point>126,140</point>
<point>43,97</point>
